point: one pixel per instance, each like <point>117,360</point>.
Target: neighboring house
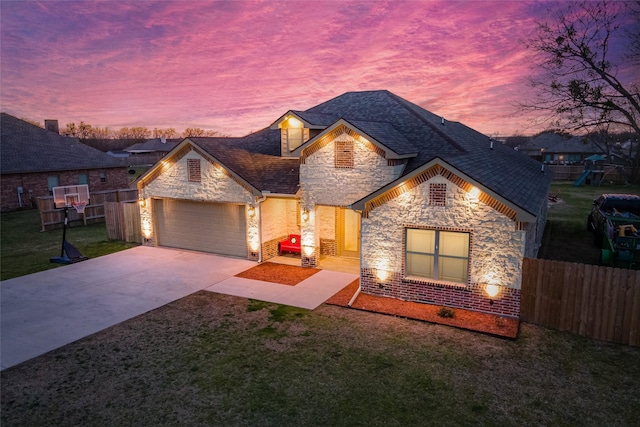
<point>34,160</point>
<point>434,211</point>
<point>150,151</point>
<point>555,149</point>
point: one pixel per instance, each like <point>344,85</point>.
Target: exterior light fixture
<point>308,250</point>
<point>305,215</point>
<point>252,211</point>
<point>382,275</point>
<point>294,123</point>
<point>492,290</point>
<point>474,194</point>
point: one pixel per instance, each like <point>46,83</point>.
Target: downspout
<point>258,202</point>
<point>353,298</point>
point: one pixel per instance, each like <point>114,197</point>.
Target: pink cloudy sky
<point>236,66</point>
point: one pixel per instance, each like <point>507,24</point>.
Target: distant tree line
<point>86,131</point>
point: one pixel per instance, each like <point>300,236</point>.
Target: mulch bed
<point>465,319</point>
<point>283,274</point>
<point>291,275</point>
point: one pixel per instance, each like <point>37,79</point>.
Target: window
<point>295,137</point>
<point>83,179</point>
<point>53,181</point>
<point>437,194</point>
<point>344,154</point>
<point>193,167</point>
<point>103,177</point>
<point>437,254</point>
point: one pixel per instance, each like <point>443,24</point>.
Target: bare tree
<point>198,132</point>
<point>82,131</point>
<point>166,133</point>
<point>133,133</point>
<point>583,84</point>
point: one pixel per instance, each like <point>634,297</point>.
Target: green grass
<point>24,249</point>
<point>207,360</point>
<point>566,237</point>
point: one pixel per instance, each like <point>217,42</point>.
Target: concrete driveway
<point>43,311</point>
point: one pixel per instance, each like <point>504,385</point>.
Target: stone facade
<point>325,186</point>
<point>215,186</point>
<point>496,249</point>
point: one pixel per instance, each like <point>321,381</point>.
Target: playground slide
<point>581,179</point>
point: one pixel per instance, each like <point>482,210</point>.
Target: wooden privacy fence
<point>123,221</point>
<point>589,300</point>
<point>51,218</point>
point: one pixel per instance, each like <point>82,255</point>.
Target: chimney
<point>52,126</point>
<point>163,139</point>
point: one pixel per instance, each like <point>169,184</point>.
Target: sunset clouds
<point>236,66</point>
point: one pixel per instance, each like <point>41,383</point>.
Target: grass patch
<point>209,360</point>
<point>24,249</point>
<point>566,237</point>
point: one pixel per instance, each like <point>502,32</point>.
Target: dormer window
<point>295,137</point>
<point>294,134</point>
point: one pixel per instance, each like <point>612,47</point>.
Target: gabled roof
<point>252,158</point>
<point>402,130</point>
<point>501,170</point>
<point>27,148</point>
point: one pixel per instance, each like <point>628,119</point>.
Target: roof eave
<point>276,125</point>
<point>154,169</point>
<point>389,154</point>
<point>522,215</point>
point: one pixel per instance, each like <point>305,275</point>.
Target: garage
<point>219,228</point>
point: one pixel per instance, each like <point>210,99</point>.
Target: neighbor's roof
<point>151,145</point>
<point>554,143</point>
<point>27,148</point>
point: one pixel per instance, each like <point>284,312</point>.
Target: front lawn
<point>24,249</point>
<point>218,360</point>
<point>566,237</point>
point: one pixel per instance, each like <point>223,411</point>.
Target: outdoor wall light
<point>474,193</point>
<point>492,290</point>
<point>382,275</point>
<point>305,215</point>
<point>308,250</point>
<point>252,211</point>
<point>142,202</point>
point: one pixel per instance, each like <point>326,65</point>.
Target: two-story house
<point>433,211</point>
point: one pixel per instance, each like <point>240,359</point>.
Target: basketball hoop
<point>79,206</point>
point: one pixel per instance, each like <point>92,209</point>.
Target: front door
<point>349,233</point>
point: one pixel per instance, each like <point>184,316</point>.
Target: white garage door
<point>208,227</point>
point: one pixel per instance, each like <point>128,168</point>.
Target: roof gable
<point>435,167</point>
<point>380,130</point>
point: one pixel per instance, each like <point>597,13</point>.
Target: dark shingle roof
<point>403,127</point>
<point>256,159</point>
<point>507,172</point>
<point>28,148</point>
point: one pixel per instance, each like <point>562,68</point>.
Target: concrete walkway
<point>43,311</point>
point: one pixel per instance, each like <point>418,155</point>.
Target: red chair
<point>290,244</point>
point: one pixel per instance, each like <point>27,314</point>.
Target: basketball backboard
<point>67,195</point>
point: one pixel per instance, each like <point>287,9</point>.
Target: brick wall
<point>328,247</point>
<point>470,297</point>
<point>36,184</point>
